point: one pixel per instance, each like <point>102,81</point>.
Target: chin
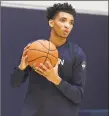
<point>64,36</point>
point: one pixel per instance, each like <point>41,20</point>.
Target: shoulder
<point>77,51</point>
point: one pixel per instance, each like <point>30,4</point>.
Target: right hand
<point>24,63</point>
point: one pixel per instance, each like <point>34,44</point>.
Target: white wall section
<point>87,7</point>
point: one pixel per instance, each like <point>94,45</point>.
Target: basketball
<point>41,51</point>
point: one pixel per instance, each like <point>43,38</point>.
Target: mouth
<point>66,31</point>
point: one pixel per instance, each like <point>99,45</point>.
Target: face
<point>62,24</point>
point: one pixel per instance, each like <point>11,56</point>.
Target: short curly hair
<point>65,7</point>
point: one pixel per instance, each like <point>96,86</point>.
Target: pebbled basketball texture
<point>41,51</point>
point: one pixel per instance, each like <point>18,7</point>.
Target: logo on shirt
<point>61,61</point>
<point>83,64</point>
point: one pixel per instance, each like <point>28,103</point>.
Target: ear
<point>51,22</point>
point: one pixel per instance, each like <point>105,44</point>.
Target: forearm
<point>18,77</point>
<point>72,92</point>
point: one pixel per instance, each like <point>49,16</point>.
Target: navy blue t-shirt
<point>46,99</point>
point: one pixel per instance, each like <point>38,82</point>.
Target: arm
<point>19,76</point>
<point>74,90</point>
<point>21,72</point>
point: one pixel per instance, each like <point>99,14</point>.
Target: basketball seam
<point>43,51</point>
<point>45,47</point>
<point>47,54</point>
<point>38,58</point>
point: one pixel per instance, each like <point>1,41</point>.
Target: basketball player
<point>55,91</point>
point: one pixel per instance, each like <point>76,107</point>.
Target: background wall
<point>85,7</point>
<point>21,26</point>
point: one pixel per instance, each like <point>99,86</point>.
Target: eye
<point>62,20</point>
<point>71,23</point>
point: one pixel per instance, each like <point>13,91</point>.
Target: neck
<point>56,39</point>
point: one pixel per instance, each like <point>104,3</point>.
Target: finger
<point>25,52</point>
<point>49,65</point>
<point>58,61</point>
<point>22,58</point>
<point>56,69</point>
<point>28,45</point>
<point>39,72</point>
<point>57,64</point>
<point>25,48</point>
<point>25,57</point>
<point>43,67</point>
<point>39,69</point>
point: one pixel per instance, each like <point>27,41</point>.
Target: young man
<point>55,91</point>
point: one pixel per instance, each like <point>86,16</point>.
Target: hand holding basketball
<point>49,72</point>
<point>24,63</point>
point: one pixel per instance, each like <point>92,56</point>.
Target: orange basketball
<point>41,51</point>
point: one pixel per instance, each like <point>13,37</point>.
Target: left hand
<point>49,72</point>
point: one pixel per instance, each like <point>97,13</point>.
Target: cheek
<point>59,25</point>
<point>57,28</point>
<point>71,28</point>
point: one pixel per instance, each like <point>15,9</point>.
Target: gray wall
<point>21,26</point>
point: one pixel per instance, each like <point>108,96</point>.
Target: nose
<point>67,25</point>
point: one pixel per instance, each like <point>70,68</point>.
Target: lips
<point>66,31</point>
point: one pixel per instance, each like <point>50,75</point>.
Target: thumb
<point>57,62</point>
<point>56,66</point>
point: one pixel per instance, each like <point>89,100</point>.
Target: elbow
<point>79,97</point>
<point>78,100</point>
